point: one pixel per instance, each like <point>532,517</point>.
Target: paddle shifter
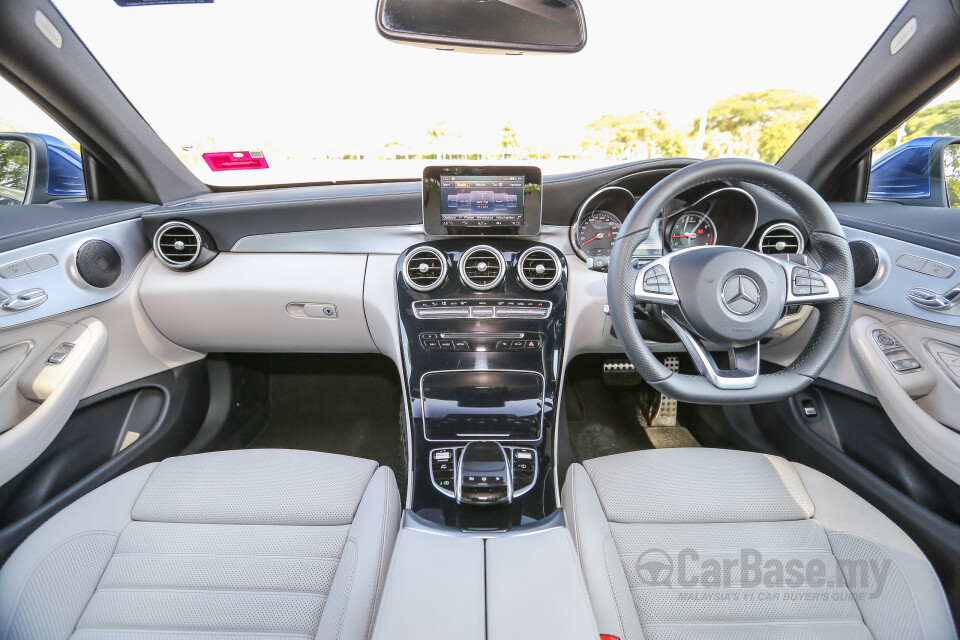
<point>484,474</point>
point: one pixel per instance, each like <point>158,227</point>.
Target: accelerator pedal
<point>664,432</point>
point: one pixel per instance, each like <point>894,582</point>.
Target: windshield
<point>306,91</point>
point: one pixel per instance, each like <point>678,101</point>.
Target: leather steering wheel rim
<point>826,238</point>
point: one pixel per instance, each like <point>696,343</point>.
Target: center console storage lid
<point>434,589</point>
<point>535,588</point>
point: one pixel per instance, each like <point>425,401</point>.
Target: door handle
<point>26,299</point>
<point>933,301</point>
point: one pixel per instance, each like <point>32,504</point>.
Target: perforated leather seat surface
<point>704,544</point>
<point>236,544</point>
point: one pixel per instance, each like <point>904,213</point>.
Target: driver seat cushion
<point>714,544</point>
<point>236,544</point>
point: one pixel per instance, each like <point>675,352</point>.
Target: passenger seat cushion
<point>698,485</point>
<point>250,487</point>
<point>275,543</point>
<point>634,515</point>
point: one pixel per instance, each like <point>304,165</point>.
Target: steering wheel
<point>731,297</point>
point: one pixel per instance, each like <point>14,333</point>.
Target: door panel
<point>55,381</point>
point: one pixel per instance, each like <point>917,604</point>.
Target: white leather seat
<point>686,543</point>
<point>239,544</point>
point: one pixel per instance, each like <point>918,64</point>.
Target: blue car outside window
<point>903,173</point>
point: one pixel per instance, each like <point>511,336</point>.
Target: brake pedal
<point>620,373</point>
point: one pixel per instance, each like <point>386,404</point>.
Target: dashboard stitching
<point>60,224</point>
<point>894,226</point>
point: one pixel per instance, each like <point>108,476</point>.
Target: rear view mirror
<point>37,169</point>
<point>485,26</point>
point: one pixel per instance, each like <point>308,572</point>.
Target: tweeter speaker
<point>866,262</point>
<point>99,263</point>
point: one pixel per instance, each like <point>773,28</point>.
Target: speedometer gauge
<point>597,232</point>
<point>692,229</point>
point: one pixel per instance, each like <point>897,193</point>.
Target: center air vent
<point>781,238</point>
<point>177,245</point>
<point>424,269</point>
<point>482,267</point>
<point>538,269</point>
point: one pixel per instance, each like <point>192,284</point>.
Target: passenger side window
<point>39,160</point>
<point>919,163</point>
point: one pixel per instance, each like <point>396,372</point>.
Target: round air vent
<point>177,244</point>
<point>781,238</point>
<point>866,262</point>
<point>99,263</point>
<point>482,267</point>
<point>424,269</point>
<point>538,269</point>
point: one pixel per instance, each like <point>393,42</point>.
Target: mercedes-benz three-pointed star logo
<point>741,295</point>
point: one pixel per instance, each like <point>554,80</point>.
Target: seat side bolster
<point>355,595</point>
<point>858,532</point>
<point>81,536</point>
<point>602,570</point>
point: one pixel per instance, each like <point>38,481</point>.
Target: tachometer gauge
<point>692,229</point>
<point>597,232</point>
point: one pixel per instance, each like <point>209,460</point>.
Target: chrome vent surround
<point>538,269</point>
<point>781,238</point>
<point>425,269</point>
<point>177,244</point>
<point>482,267</point>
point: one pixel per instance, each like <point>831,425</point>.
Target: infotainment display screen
<point>468,200</point>
<point>475,201</point>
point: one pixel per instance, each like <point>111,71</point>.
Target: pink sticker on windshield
<point>235,160</point>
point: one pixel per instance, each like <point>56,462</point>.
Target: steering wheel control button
<point>741,295</point>
<point>808,283</point>
<point>656,280</point>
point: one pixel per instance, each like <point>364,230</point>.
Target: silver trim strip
<point>411,520</point>
<point>390,240</point>
<point>65,289</point>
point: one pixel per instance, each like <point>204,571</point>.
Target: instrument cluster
<point>725,215</point>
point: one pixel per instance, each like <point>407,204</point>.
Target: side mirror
<point>37,169</point>
<point>923,172</point>
<point>510,26</point>
<point>951,174</point>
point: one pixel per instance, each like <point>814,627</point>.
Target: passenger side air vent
<point>781,238</point>
<point>424,269</point>
<point>177,244</point>
<point>482,267</point>
<point>538,269</point>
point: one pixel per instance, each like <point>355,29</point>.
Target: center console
<point>482,318</point>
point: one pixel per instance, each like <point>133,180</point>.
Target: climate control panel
<point>481,309</point>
